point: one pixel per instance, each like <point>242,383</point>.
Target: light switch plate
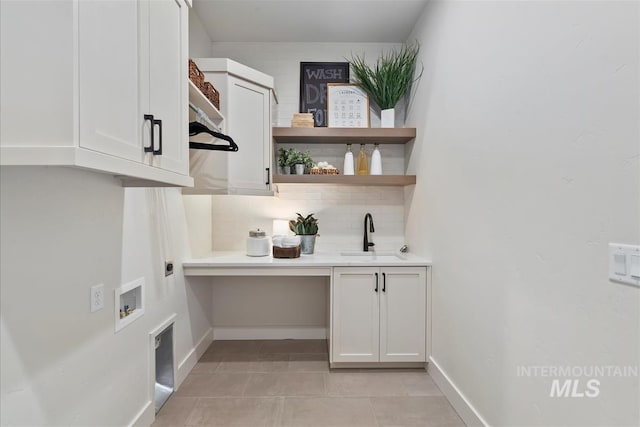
<point>634,266</point>
<point>624,263</point>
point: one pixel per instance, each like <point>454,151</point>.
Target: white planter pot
<point>388,118</point>
<point>299,169</point>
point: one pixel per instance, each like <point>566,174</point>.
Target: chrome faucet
<point>367,244</point>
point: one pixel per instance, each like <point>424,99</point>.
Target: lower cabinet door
<point>355,322</point>
<point>403,314</point>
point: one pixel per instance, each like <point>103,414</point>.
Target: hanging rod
<point>202,115</point>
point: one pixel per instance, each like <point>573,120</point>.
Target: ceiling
<point>388,21</point>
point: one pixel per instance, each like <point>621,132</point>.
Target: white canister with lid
<point>258,243</point>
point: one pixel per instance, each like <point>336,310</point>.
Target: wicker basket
<point>321,171</point>
<point>279,252</point>
<point>195,75</point>
<point>211,93</point>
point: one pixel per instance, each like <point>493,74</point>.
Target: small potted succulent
<point>307,229</point>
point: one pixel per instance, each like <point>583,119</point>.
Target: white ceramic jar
<point>258,243</point>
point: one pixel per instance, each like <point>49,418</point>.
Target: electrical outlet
<point>97,297</point>
<point>168,268</point>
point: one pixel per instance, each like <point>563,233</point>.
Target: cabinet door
<point>355,323</point>
<point>110,117</point>
<point>168,98</point>
<point>403,314</point>
<point>249,123</point>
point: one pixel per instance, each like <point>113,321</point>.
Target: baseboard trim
<point>467,412</point>
<point>378,365</point>
<point>192,357</point>
<point>269,333</point>
<point>145,417</point>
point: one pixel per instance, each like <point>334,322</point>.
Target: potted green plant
<point>283,160</point>
<point>389,80</point>
<point>296,160</point>
<point>307,229</point>
<point>307,161</point>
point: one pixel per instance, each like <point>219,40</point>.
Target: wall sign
<point>347,106</point>
<point>314,77</point>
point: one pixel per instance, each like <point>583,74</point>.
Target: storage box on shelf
<point>206,88</point>
<point>109,104</point>
<point>320,135</point>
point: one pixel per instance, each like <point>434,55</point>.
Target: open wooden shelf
<point>343,135</point>
<point>197,98</point>
<point>381,180</point>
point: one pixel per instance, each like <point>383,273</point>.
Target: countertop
<point>318,264</point>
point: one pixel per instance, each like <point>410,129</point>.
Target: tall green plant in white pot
<point>388,80</point>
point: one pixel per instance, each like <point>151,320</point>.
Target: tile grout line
<point>191,414</point>
<point>373,411</point>
<point>279,418</point>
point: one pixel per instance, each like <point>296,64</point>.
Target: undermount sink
<point>373,256</point>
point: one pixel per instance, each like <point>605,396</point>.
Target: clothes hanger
<point>196,128</point>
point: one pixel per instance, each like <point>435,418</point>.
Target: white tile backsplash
<point>340,211</point>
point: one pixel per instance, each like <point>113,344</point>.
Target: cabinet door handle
<point>159,150</point>
<point>150,148</point>
<point>376,289</point>
<point>268,177</point>
<point>384,282</point>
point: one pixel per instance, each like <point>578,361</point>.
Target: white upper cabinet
<point>79,78</point>
<point>109,77</point>
<point>168,92</point>
<point>246,96</point>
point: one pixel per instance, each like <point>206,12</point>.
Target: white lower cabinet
<point>378,314</point>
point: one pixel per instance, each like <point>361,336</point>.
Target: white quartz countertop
<point>239,260</point>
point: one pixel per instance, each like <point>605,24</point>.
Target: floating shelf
<point>380,180</point>
<point>321,135</point>
<point>197,98</point>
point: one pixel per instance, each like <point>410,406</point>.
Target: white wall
<point>63,231</point>
<point>199,41</point>
<point>527,161</point>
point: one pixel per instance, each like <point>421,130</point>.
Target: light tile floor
<point>289,383</point>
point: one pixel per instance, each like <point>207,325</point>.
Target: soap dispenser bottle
<point>348,162</point>
<point>376,161</point>
<point>363,163</point>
